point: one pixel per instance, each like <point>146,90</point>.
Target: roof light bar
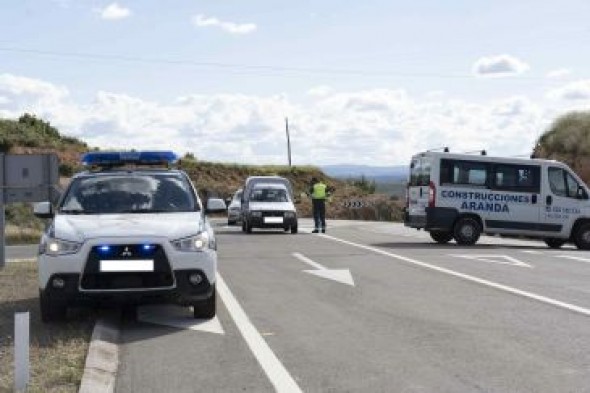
<point>117,158</point>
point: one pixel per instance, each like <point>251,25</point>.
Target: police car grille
<point>94,279</point>
<point>272,214</point>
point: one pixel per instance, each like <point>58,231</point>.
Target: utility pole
<point>288,139</point>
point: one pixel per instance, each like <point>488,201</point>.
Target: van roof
<point>485,158</point>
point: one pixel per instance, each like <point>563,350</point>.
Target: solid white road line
<point>505,288</point>
<point>272,366</point>
<point>575,258</point>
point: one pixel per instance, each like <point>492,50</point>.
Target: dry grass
<point>20,235</point>
<point>58,350</point>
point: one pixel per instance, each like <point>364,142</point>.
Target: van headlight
<point>194,243</point>
<point>55,247</point>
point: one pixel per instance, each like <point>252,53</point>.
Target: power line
<point>248,68</point>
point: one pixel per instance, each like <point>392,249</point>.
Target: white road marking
<point>178,317</point>
<point>575,258</point>
<point>493,258</point>
<point>532,252</point>
<point>340,275</point>
<point>278,375</point>
<point>491,284</point>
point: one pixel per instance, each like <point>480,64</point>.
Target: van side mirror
<point>582,194</point>
<point>43,210</point>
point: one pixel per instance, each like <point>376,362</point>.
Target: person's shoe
<point>315,231</point>
<point>323,230</point>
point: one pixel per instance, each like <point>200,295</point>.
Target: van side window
<point>562,183</point>
<point>463,172</point>
<point>514,177</point>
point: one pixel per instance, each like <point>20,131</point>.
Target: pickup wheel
<point>441,237</point>
<point>51,310</point>
<point>206,309</point>
<point>582,237</point>
<point>466,231</point>
<point>553,242</point>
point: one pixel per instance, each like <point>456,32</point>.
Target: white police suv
<point>130,230</point>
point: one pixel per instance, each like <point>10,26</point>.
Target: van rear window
<point>420,172</point>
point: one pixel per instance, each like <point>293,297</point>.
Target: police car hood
<point>271,206</point>
<point>168,225</point>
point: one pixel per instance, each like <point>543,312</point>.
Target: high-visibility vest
<point>319,191</point>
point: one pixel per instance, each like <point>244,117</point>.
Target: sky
<point>369,82</point>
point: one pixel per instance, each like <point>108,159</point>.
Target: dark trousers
<point>319,213</point>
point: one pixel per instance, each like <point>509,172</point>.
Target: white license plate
<point>273,220</point>
<point>127,265</point>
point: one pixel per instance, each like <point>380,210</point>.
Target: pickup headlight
<point>55,247</point>
<point>194,243</point>
<point>256,214</point>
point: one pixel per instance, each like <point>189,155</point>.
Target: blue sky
<point>415,71</point>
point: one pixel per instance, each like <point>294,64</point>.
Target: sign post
<point>25,178</point>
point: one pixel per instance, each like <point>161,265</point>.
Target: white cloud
<point>558,73</point>
<point>320,91</point>
<point>499,66</point>
<point>579,90</point>
<point>374,127</point>
<point>114,11</point>
<point>229,27</point>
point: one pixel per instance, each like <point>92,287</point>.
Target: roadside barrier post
<point>21,351</point>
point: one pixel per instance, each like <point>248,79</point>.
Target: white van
<point>460,196</point>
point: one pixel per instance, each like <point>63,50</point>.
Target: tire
<point>243,226</point>
<point>466,231</point>
<point>206,309</point>
<point>51,311</point>
<point>441,237</point>
<point>229,223</point>
<point>582,237</point>
<point>286,229</point>
<point>248,228</point>
<point>553,242</point>
<point>294,229</point>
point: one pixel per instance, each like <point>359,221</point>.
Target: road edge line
<point>102,360</point>
<point>275,371</point>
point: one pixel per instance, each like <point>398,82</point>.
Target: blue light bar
<point>116,158</point>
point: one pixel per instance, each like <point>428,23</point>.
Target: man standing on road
<point>319,192</point>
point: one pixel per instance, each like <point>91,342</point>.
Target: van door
<point>563,202</point>
<point>418,189</point>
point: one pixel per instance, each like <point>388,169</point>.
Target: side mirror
<point>582,194</point>
<point>215,205</point>
<point>43,210</point>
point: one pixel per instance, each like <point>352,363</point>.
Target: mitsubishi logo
<point>126,252</point>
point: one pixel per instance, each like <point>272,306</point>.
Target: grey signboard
<point>26,178</point>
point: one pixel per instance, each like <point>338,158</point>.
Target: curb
<point>102,361</point>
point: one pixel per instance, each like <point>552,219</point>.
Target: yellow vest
<point>319,191</point>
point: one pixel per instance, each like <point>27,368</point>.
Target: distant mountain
<point>377,173</point>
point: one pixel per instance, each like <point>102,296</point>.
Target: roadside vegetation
<point>57,351</point>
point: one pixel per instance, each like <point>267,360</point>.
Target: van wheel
<point>206,309</point>
<point>553,242</point>
<point>441,237</point>
<point>466,231</point>
<point>51,311</point>
<point>582,237</point>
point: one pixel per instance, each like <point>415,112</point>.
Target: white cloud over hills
<point>374,126</point>
<point>229,27</point>
<point>114,11</point>
<point>499,66</point>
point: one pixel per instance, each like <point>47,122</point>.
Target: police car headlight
<point>54,247</point>
<point>193,243</point>
<point>256,214</point>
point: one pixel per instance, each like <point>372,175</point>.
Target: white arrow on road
<point>340,275</point>
<point>494,258</point>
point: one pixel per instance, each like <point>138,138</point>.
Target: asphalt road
<point>502,316</point>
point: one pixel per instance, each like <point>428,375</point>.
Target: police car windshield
<point>129,193</point>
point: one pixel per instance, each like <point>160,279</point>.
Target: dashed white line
<point>491,284</point>
<point>278,375</point>
<point>575,258</point>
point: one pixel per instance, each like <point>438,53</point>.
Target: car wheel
<point>51,310</point>
<point>582,237</point>
<point>206,309</point>
<point>294,229</point>
<point>466,231</point>
<point>554,242</point>
<point>248,228</point>
<point>441,237</point>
